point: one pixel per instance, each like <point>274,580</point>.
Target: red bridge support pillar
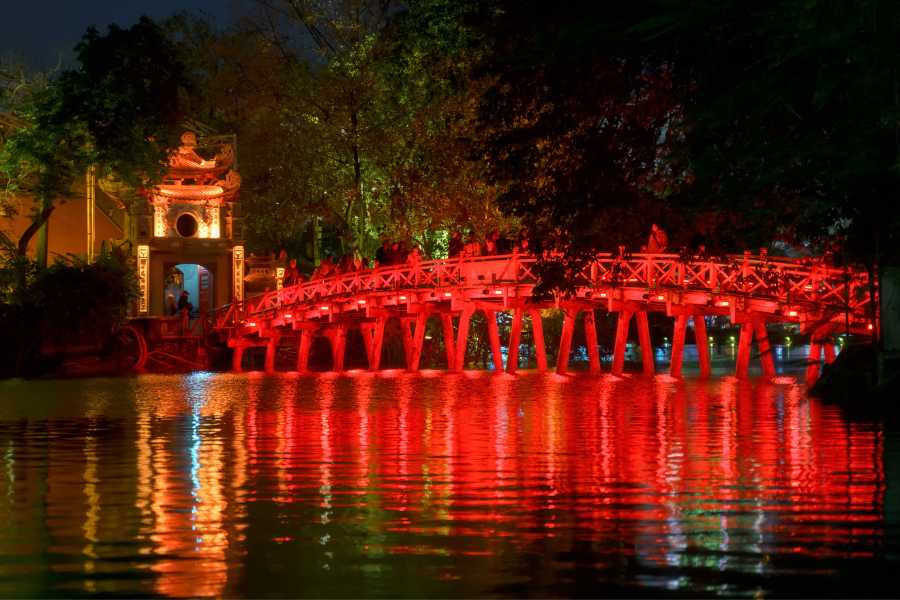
<point>537,331</point>
<point>815,355</point>
<point>373,339</point>
<point>515,337</point>
<point>449,341</point>
<point>828,346</point>
<point>565,341</point>
<point>413,339</point>
<point>742,364</point>
<point>618,364</point>
<point>678,345</point>
<point>643,325</point>
<point>271,353</point>
<point>590,338</point>
<point>765,349</point>
<point>462,338</point>
<point>702,342</point>
<point>338,339</point>
<point>303,346</point>
<point>494,339</point>
<point>237,357</point>
<point>820,343</point>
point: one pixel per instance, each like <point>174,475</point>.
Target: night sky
<point>39,31</point>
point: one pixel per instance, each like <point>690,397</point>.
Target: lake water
<point>435,484</point>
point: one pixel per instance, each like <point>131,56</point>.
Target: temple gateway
<point>186,231</point>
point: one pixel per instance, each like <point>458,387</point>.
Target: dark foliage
<point>574,127</point>
<point>71,302</point>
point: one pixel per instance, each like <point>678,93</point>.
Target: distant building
<point>184,234</point>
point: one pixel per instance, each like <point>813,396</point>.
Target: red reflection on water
<point>718,474</point>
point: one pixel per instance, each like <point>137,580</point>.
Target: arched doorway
<point>196,280</point>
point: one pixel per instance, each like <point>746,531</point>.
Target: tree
<point>428,98</point>
<point>575,127</point>
<point>119,110</point>
<point>43,157</point>
<point>793,121</point>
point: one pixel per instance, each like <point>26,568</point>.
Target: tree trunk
<point>40,224</point>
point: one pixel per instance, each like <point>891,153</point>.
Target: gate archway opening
<point>195,279</point>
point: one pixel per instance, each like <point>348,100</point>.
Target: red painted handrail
<point>785,281</point>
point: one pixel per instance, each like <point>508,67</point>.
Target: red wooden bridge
<point>751,291</point>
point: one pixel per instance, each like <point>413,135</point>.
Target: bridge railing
<point>784,280</point>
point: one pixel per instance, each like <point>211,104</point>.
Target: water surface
<point>440,485</point>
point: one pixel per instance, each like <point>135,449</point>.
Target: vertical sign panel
<point>159,220</point>
<point>143,272</point>
<point>237,270</point>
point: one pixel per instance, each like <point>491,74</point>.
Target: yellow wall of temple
<point>68,226</point>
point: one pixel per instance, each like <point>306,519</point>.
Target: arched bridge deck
<point>751,291</point>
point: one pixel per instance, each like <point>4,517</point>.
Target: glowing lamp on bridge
<point>448,294</point>
<point>288,316</point>
<point>603,294</point>
<point>403,298</point>
<point>792,313</point>
<point>251,323</point>
<point>870,327</point>
<point>323,307</point>
<point>498,292</point>
<point>661,298</point>
<point>360,302</point>
<point>722,303</point>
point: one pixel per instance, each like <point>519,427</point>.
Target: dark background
<point>40,32</point>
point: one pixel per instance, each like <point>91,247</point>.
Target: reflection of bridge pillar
<point>537,332</point>
<point>462,337</point>
<point>565,340</point>
<point>494,339</point>
<point>765,348</point>
<point>643,326</point>
<point>742,364</point>
<point>449,342</point>
<point>622,322</point>
<point>338,338</point>
<point>678,345</point>
<point>515,336</point>
<point>702,342</point>
<point>590,338</point>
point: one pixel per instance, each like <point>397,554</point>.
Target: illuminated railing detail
<point>725,283</point>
